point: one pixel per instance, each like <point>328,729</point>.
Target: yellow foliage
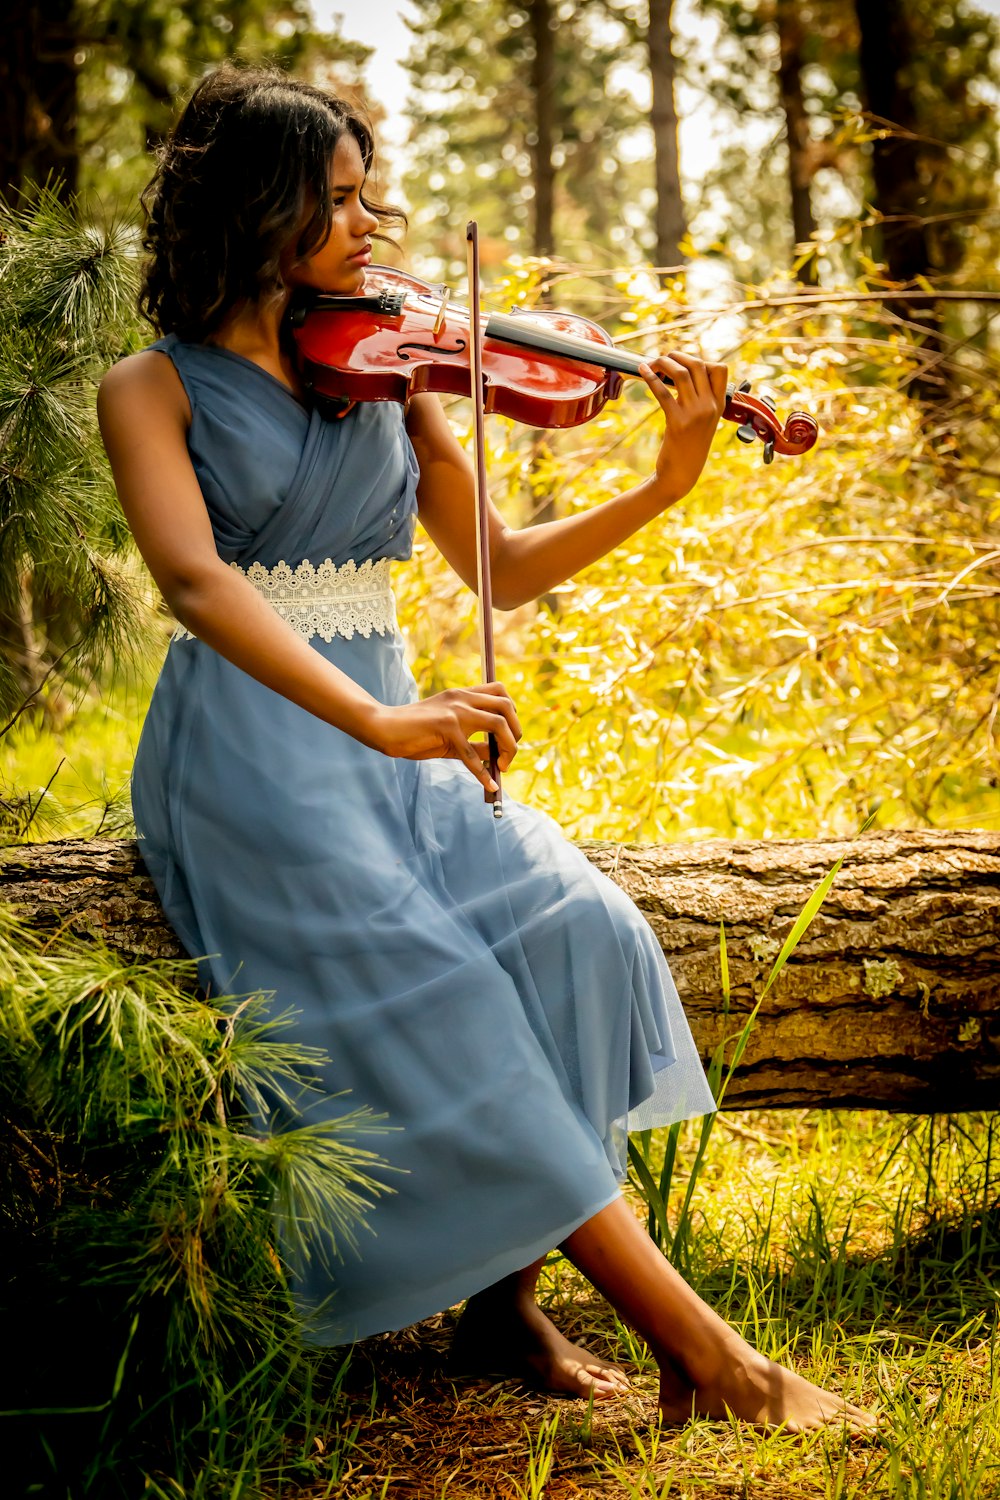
<point>785,649</point>
<point>788,646</point>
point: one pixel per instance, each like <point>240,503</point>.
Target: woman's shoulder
<point>142,378</point>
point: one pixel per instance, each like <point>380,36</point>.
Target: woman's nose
<point>367,221</point>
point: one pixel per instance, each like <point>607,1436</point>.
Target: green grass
<point>75,774</point>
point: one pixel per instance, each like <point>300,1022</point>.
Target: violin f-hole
<point>459,347</point>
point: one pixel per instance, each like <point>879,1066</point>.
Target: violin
<point>402,336</point>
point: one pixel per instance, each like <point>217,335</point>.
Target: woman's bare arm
<point>525,564</point>
<point>144,416</point>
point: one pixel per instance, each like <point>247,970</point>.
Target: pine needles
<point>147,1295</point>
<point>71,595</point>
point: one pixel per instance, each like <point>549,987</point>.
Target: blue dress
<point>475,982</point>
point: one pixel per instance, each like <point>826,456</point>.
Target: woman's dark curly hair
<point>248,156</point>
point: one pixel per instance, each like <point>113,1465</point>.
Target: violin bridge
<point>439,320</point>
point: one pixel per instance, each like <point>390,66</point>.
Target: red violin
<point>401,336</point>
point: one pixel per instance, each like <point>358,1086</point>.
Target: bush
<point>152,1340</point>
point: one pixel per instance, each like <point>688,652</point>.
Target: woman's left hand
<point>691,409</point>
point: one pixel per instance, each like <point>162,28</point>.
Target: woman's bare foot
<point>706,1367</point>
<point>759,1391</point>
<point>518,1339</point>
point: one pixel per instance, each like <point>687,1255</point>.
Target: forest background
<point>792,649</point>
<point>792,645</point>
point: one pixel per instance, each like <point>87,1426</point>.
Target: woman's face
<point>339,264</point>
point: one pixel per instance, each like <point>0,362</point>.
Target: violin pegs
<point>769,451</point>
<point>746,432</point>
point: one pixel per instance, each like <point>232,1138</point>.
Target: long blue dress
<point>476,982</point>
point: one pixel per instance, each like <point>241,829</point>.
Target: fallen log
<point>890,1001</point>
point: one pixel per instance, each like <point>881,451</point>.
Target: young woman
<point>318,830</point>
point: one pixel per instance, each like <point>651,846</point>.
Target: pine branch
<point>138,1183</point>
<point>70,597</point>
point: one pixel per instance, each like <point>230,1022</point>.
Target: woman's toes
<point>603,1380</point>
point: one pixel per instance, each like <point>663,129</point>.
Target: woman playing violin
<point>316,830</point>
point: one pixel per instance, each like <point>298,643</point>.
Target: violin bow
<point>487,660</point>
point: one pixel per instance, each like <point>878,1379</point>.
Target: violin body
<point>403,347</point>
<point>402,336</point>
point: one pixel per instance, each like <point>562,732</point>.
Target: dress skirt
<point>477,983</point>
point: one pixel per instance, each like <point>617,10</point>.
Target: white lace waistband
<point>326,600</point>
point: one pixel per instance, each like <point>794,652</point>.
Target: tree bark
<point>543,92</point>
<point>800,171</point>
<point>890,1001</point>
<point>670,220</point>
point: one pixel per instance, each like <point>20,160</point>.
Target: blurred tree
<point>925,67</point>
<point>39,63</point>
<point>670,221</point>
<point>91,85</point>
<point>543,92</point>
<point>928,85</point>
<point>927,73</point>
<point>798,137</point>
<point>887,63</point>
<point>781,71</point>
<point>143,56</point>
<point>519,120</point>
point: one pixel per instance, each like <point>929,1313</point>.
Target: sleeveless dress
<point>475,982</point>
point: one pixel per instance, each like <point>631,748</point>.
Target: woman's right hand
<point>441,728</point>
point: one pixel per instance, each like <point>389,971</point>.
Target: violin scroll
<point>757,418</point>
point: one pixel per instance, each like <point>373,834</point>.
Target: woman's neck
<point>253,330</point>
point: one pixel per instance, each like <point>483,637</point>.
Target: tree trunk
<point>543,91</point>
<point>885,60</point>
<point>800,172</point>
<point>890,1001</point>
<point>670,221</point>
<point>885,57</point>
<point>38,90</point>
